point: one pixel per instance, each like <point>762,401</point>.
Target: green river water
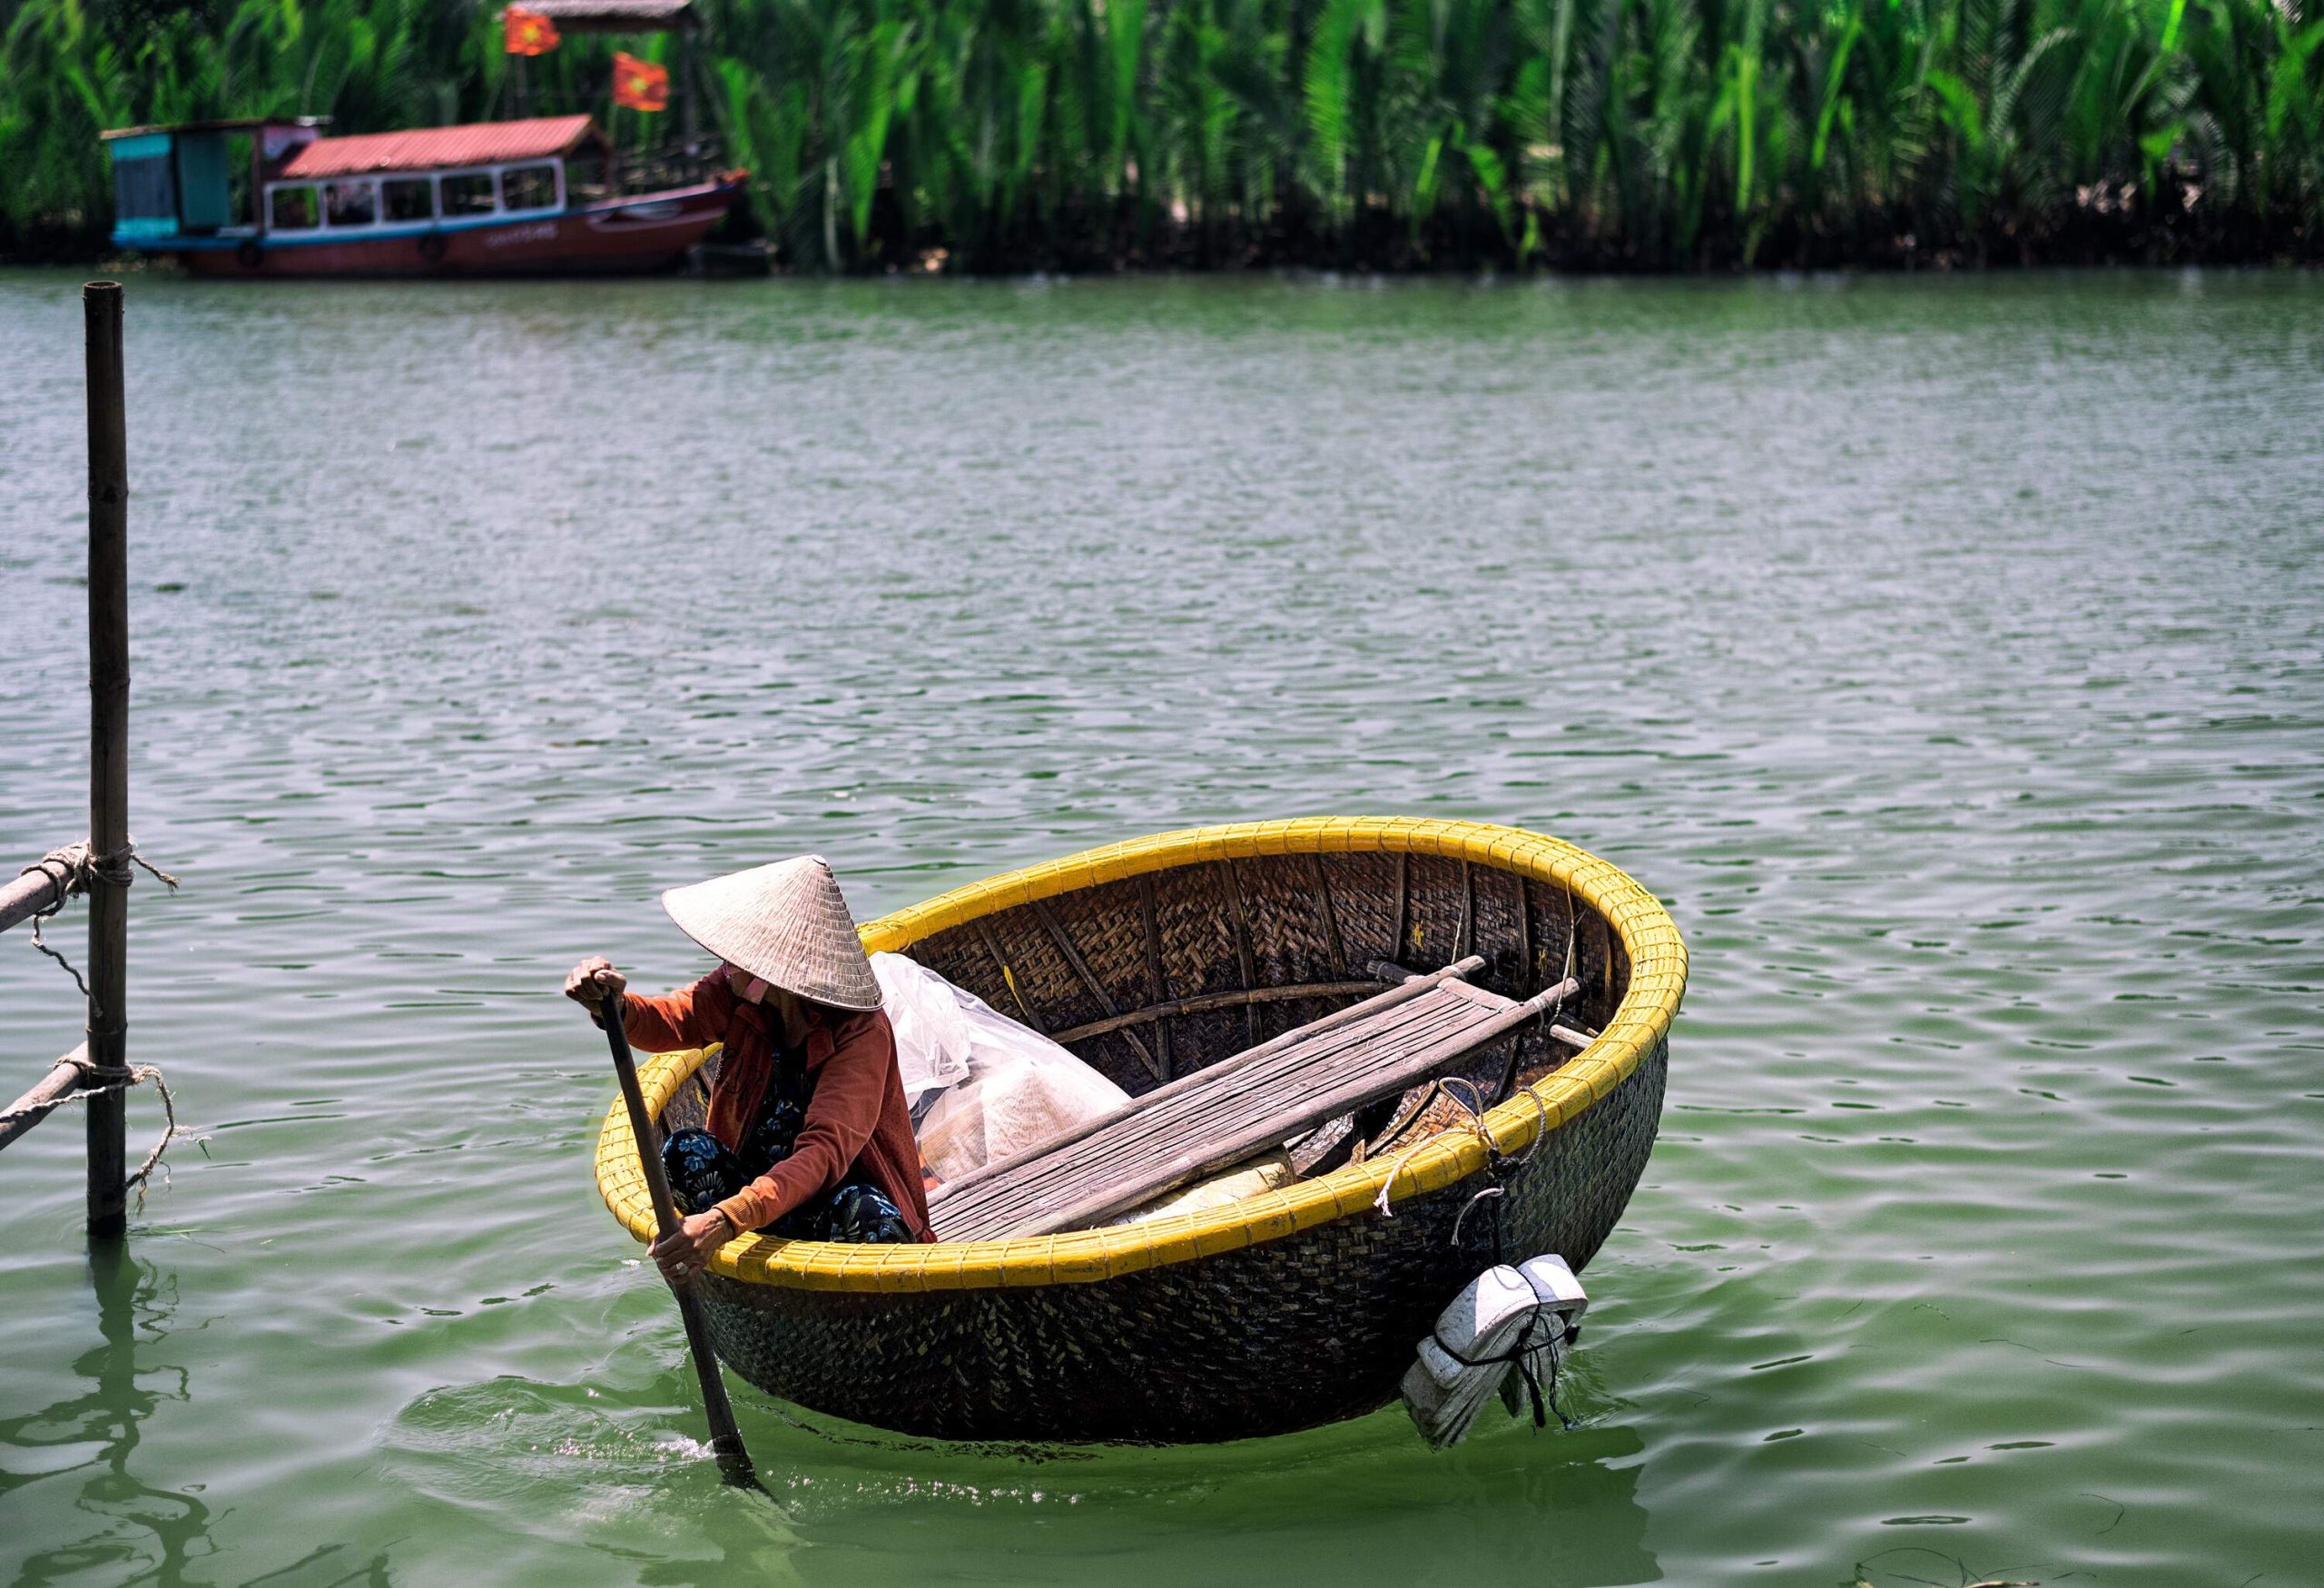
<point>1947,654</point>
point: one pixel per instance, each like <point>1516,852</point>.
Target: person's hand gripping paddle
<point>726,1439</point>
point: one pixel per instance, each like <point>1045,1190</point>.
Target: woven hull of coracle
<point>1279,1312</point>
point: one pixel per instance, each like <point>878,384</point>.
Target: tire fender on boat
<point>247,254</point>
<point>432,247</point>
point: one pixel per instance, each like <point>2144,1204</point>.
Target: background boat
<point>538,196</point>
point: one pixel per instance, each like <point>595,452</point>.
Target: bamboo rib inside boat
<point>1233,998</point>
<point>1158,985</point>
<point>1232,892</point>
<point>1063,940</point>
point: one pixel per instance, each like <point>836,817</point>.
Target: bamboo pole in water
<point>108,754</point>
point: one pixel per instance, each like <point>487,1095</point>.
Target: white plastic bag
<point>998,1086</point>
<point>931,1039</point>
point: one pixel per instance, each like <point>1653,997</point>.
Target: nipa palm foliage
<point>999,134</point>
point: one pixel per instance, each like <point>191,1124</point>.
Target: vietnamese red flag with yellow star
<point>640,85</point>
<point>527,32</point>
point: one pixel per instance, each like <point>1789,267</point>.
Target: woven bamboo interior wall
<point>1269,923</point>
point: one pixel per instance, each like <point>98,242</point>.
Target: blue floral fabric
<point>703,1171</point>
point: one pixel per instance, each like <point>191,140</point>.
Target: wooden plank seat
<point>1421,1027</point>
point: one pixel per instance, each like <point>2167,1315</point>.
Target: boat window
<point>528,187</point>
<point>409,198</point>
<point>350,204</point>
<point>469,194</point>
<point>585,174</point>
<point>291,209</point>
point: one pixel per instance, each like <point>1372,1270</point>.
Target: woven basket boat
<point>1279,1312</point>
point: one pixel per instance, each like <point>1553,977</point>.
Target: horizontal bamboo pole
<point>27,895</point>
<point>54,1088</point>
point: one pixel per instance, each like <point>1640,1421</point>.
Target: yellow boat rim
<point>1657,981</point>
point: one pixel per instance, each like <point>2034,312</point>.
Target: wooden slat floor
<point>1225,1112</point>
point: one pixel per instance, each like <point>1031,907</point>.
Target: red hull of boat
<point>651,231</point>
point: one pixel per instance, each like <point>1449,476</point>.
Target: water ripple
<point>1944,652</point>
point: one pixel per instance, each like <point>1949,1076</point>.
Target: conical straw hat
<point>786,922</point>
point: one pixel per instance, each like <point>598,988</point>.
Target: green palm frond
<point>1669,132</point>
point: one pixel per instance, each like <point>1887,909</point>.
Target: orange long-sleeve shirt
<point>857,1127</point>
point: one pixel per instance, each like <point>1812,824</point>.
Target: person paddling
<point>809,1134</point>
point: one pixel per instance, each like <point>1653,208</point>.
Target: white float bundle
<point>1510,1329</point>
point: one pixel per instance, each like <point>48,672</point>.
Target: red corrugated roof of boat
<point>430,148</point>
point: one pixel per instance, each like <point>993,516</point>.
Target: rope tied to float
<point>1499,1165</point>
<point>1500,1169</point>
<point>72,867</point>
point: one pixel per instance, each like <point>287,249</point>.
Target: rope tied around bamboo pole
<point>96,1081</point>
<point>73,867</point>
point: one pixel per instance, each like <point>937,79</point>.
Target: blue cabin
<point>194,181</point>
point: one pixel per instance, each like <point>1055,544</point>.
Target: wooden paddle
<point>726,1439</point>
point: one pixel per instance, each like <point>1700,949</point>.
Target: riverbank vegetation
<point>1088,134</point>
